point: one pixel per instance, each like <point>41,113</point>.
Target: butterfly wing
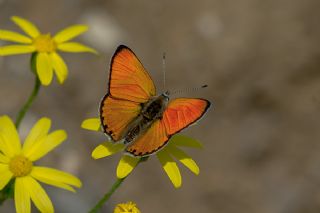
<point>182,112</point>
<point>116,114</point>
<point>129,86</point>
<point>179,114</point>
<point>152,140</point>
<point>128,78</point>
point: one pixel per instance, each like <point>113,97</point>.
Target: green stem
<point>114,187</point>
<point>30,100</point>
<point>34,93</point>
<point>8,191</point>
<point>106,197</point>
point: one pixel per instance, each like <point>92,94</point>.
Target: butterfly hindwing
<point>152,140</point>
<point>116,114</point>
<point>129,86</point>
<point>179,114</point>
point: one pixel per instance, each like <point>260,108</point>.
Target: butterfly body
<point>132,113</point>
<point>150,112</point>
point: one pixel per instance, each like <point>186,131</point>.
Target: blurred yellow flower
<point>128,207</point>
<point>127,163</point>
<point>46,47</point>
<point>17,162</point>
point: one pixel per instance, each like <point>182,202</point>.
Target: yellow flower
<point>17,162</point>
<point>46,47</point>
<point>127,163</point>
<point>128,207</point>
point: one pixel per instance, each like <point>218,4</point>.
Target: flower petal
<point>5,175</point>
<point>15,37</point>
<point>26,26</point>
<point>126,165</point>
<point>126,207</point>
<point>59,67</point>
<point>16,49</point>
<point>56,178</point>
<point>181,140</point>
<point>170,167</point>
<point>38,195</point>
<point>44,68</point>
<point>38,131</point>
<point>46,145</point>
<point>4,159</point>
<point>21,196</point>
<point>93,124</point>
<point>184,158</point>
<point>106,149</point>
<point>9,138</point>
<point>75,47</point>
<point>69,33</point>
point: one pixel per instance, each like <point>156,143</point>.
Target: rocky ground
<point>261,60</point>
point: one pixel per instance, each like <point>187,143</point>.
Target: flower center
<point>20,166</point>
<point>45,43</point>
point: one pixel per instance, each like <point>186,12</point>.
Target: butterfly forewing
<point>129,86</point>
<point>128,78</point>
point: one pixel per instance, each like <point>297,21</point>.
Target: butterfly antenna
<point>164,70</point>
<point>188,90</point>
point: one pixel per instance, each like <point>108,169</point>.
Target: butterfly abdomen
<point>150,112</point>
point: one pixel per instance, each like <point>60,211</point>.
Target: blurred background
<point>261,60</point>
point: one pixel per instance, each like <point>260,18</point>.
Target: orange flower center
<point>20,166</point>
<point>45,43</point>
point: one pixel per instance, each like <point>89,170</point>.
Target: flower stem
<point>30,100</point>
<point>32,96</point>
<point>114,187</point>
<point>7,192</point>
<point>107,196</point>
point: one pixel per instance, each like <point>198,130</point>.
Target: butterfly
<point>132,113</point>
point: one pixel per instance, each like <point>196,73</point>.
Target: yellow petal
<point>55,177</point>
<point>4,159</point>
<point>38,131</point>
<point>75,47</point>
<point>15,37</point>
<point>38,195</point>
<point>44,68</point>
<point>16,49</point>
<point>5,175</point>
<point>181,140</point>
<point>26,26</point>
<point>126,165</point>
<point>9,138</point>
<point>46,145</point>
<point>59,67</point>
<point>184,158</point>
<point>106,149</point>
<point>21,196</point>
<point>126,207</point>
<point>93,124</point>
<point>69,33</point>
<point>170,167</point>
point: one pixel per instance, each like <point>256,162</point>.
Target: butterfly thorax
<point>150,112</point>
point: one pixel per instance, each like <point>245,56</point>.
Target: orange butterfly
<point>132,113</point>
